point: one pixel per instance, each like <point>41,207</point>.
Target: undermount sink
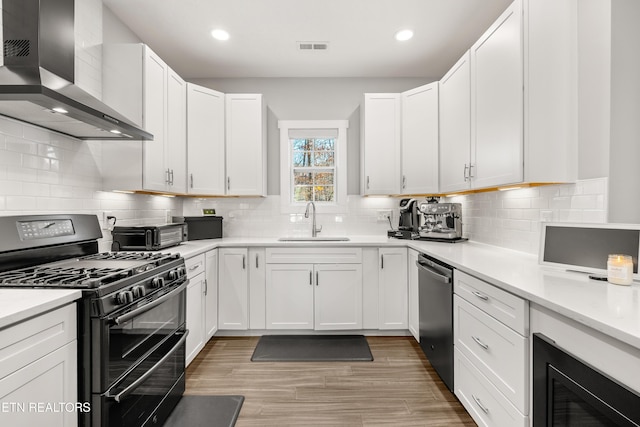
<point>313,239</point>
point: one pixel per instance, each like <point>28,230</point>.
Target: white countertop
<point>611,309</point>
<point>17,305</point>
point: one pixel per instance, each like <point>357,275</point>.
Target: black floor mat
<point>311,348</point>
<point>205,411</point>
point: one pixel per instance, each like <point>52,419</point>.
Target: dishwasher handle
<point>436,275</point>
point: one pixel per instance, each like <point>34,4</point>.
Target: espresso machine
<point>442,221</point>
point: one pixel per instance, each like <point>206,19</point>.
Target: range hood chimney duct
<point>37,75</point>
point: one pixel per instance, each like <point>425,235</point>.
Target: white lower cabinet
<point>486,405</point>
<point>491,374</point>
<point>233,289</point>
<point>211,294</point>
<point>39,367</point>
<point>289,296</point>
<point>392,288</point>
<point>257,278</point>
<point>325,295</point>
<point>202,301</point>
<point>195,314</point>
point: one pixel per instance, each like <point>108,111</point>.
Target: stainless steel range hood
<point>38,74</point>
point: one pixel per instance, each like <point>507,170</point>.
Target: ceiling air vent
<point>312,46</point>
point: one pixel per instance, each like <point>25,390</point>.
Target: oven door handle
<point>130,315</point>
<point>127,391</point>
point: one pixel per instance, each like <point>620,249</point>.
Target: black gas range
<point>131,319</point>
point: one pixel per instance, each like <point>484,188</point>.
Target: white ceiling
<point>264,35</point>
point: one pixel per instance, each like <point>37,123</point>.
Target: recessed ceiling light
<point>404,35</point>
<point>59,110</point>
<point>219,34</point>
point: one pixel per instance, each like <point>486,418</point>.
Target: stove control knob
<point>157,282</point>
<point>139,291</point>
<point>182,271</point>
<point>174,274</point>
<point>124,297</point>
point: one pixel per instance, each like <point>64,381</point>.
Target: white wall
<point>312,99</point>
<point>624,173</point>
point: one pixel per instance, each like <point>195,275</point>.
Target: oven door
<point>120,341</point>
<point>147,394</point>
<point>568,392</point>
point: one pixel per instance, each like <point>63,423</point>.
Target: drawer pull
<point>480,405</point>
<point>194,267</point>
<point>480,343</point>
<point>481,296</point>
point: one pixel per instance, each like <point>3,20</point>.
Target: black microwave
<point>148,237</point>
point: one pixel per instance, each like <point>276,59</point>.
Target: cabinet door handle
<point>191,180</point>
<point>471,175</point>
<point>256,260</point>
<point>481,296</point>
<point>480,343</point>
<point>404,182</point>
<point>381,261</point>
<point>171,177</point>
<point>367,182</point>
<point>317,278</point>
<point>466,168</point>
<point>480,405</point>
<point>206,287</point>
<point>310,277</point>
<point>228,183</point>
<point>166,178</point>
<point>244,262</point>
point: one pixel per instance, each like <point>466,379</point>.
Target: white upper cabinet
<point>420,140</point>
<point>246,145</point>
<point>455,126</point>
<point>176,145</point>
<point>205,141</point>
<point>512,100</point>
<point>380,145</point>
<point>497,102</point>
<point>138,84</point>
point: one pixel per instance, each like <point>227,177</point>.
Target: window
<point>314,169</point>
<point>312,160</point>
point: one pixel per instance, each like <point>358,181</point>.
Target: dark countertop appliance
<point>202,227</point>
<point>131,317</point>
<point>148,237</point>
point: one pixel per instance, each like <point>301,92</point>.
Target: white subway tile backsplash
<point>45,172</point>
<point>513,218</point>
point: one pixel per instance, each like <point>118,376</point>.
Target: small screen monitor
<point>586,247</point>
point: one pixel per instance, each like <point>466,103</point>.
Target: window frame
<point>340,164</point>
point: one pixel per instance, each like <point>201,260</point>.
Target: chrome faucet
<point>314,230</point>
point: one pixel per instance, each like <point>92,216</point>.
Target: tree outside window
<point>314,169</point>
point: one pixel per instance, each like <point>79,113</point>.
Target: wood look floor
<point>399,388</point>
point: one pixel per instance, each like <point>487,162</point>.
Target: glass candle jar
<point>620,269</point>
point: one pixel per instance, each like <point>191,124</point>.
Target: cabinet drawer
<point>509,309</point>
<point>484,402</point>
<point>497,351</point>
<point>297,255</point>
<point>28,341</point>
<point>194,265</point>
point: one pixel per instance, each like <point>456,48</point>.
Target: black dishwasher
<point>435,295</point>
